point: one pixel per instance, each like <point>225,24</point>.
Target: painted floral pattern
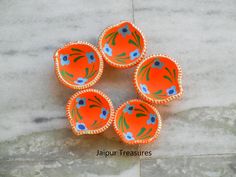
<point>78,64</point>
<point>122,44</point>
<point>89,111</point>
<point>157,78</point>
<point>80,126</point>
<point>136,120</point>
<point>128,136</point>
<point>64,59</point>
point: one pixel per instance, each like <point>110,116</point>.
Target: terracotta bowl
<point>157,79</point>
<point>122,45</point>
<point>78,65</point>
<point>89,112</point>
<point>137,122</point>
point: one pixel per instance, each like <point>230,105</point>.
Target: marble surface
<point>198,137</point>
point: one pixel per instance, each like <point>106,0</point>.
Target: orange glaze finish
<point>157,79</point>
<point>78,65</point>
<point>89,112</point>
<point>122,45</point>
<point>137,122</point>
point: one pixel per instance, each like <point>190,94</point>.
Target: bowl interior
<point>89,111</point>
<point>157,78</point>
<point>78,63</point>
<point>136,121</point>
<point>122,44</point>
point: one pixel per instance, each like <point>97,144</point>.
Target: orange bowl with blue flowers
<point>122,45</point>
<point>157,79</point>
<point>78,65</point>
<point>89,111</point>
<point>137,122</point>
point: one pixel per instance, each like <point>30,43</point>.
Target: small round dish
<point>137,122</point>
<point>78,65</point>
<point>89,112</point>
<point>157,79</point>
<point>122,45</point>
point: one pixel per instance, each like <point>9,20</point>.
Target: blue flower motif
<point>129,109</point>
<point>157,64</point>
<point>152,119</point>
<point>128,136</point>
<point>107,49</point>
<point>104,113</point>
<point>80,126</point>
<point>81,81</point>
<point>80,102</point>
<point>90,56</point>
<point>134,54</point>
<point>124,31</point>
<point>64,59</point>
<point>171,91</point>
<point>144,89</point>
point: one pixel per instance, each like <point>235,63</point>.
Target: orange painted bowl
<point>89,112</point>
<point>137,122</point>
<point>157,79</point>
<point>78,65</point>
<point>122,45</point>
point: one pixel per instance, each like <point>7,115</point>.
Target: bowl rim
<point>145,141</point>
<point>157,101</point>
<point>116,65</point>
<point>74,86</point>
<point>96,131</point>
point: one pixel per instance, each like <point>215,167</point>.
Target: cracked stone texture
<point>198,136</point>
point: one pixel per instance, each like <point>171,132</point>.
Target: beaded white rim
<point>74,86</point>
<point>157,101</point>
<point>102,129</point>
<point>145,141</point>
<point>116,65</point>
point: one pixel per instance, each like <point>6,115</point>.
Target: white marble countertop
<point>198,137</point>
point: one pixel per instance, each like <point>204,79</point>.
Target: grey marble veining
<point>60,153</point>
<point>200,35</point>
<point>197,131</point>
<point>198,136</point>
<point>194,166</point>
<point>30,34</point>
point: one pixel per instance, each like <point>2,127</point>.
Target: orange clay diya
<point>157,79</point>
<point>78,65</point>
<point>137,122</point>
<point>89,112</point>
<point>122,45</point>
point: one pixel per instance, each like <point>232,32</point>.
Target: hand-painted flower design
<point>80,102</point>
<point>135,54</point>
<point>129,109</point>
<point>91,58</point>
<point>64,59</point>
<point>80,126</point>
<point>152,119</point>
<point>104,113</point>
<point>157,64</point>
<point>107,49</point>
<point>124,31</point>
<point>171,91</point>
<point>81,81</point>
<point>128,136</point>
<point>144,89</point>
